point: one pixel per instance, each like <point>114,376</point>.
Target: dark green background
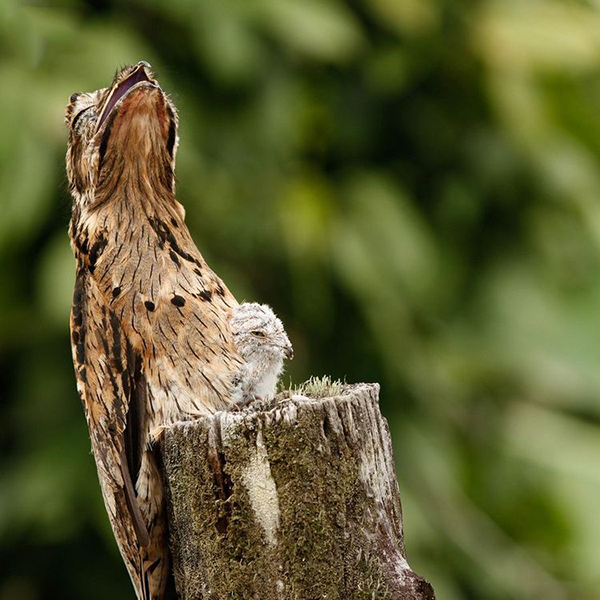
<point>413,185</point>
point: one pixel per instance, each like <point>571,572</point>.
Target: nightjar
<point>150,323</point>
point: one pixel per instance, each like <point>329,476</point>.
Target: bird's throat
<point>135,147</point>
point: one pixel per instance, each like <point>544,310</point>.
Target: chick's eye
<point>258,333</point>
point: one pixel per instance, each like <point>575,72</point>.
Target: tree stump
<point>295,499</point>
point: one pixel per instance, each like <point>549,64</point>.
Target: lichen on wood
<point>295,499</point>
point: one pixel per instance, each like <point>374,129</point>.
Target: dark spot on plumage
<point>149,305</point>
<point>116,291</point>
<point>116,347</point>
<point>206,295</point>
<point>174,258</point>
<point>82,244</point>
<point>186,256</point>
<point>79,324</point>
<point>83,374</point>
<point>96,252</point>
<point>80,351</point>
<point>159,228</point>
<point>174,222</point>
<point>198,272</point>
<point>177,249</point>
<point>178,300</point>
<point>172,134</point>
<point>165,236</point>
<point>125,378</point>
<point>78,300</point>
<point>117,396</point>
<point>220,290</point>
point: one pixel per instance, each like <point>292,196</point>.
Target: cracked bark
<point>294,500</point>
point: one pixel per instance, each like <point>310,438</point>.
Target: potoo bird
<point>150,321</point>
<point>263,344</point>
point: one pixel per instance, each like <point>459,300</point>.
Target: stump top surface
<point>286,405</point>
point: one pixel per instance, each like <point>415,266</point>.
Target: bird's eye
<point>258,333</point>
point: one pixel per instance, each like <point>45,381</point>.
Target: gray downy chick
<point>263,344</point>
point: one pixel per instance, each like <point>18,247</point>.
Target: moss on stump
<point>295,499</point>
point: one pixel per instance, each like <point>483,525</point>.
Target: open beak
<point>141,74</point>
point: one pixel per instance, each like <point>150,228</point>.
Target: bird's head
<point>125,132</point>
<point>258,333</point>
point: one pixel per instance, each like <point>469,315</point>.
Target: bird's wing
<point>112,390</point>
<point>175,311</point>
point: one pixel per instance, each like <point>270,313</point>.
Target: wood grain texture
<point>295,499</point>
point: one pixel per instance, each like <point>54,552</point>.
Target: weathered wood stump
<point>295,500</point>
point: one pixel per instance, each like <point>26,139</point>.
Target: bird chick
<point>263,344</point>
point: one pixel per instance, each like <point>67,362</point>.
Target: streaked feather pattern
<point>151,338</point>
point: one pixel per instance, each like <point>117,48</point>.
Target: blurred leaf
<point>402,254</point>
<point>407,17</point>
<point>535,35</point>
<point>318,29</point>
<point>56,278</point>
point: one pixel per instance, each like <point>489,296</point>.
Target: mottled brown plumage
<point>150,321</point>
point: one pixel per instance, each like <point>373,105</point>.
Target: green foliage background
<point>412,185</point>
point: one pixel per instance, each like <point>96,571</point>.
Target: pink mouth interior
<point>137,76</point>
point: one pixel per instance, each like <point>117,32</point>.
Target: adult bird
<point>150,329</point>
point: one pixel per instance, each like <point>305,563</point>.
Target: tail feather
<point>149,564</point>
<point>145,586</point>
<point>155,564</point>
